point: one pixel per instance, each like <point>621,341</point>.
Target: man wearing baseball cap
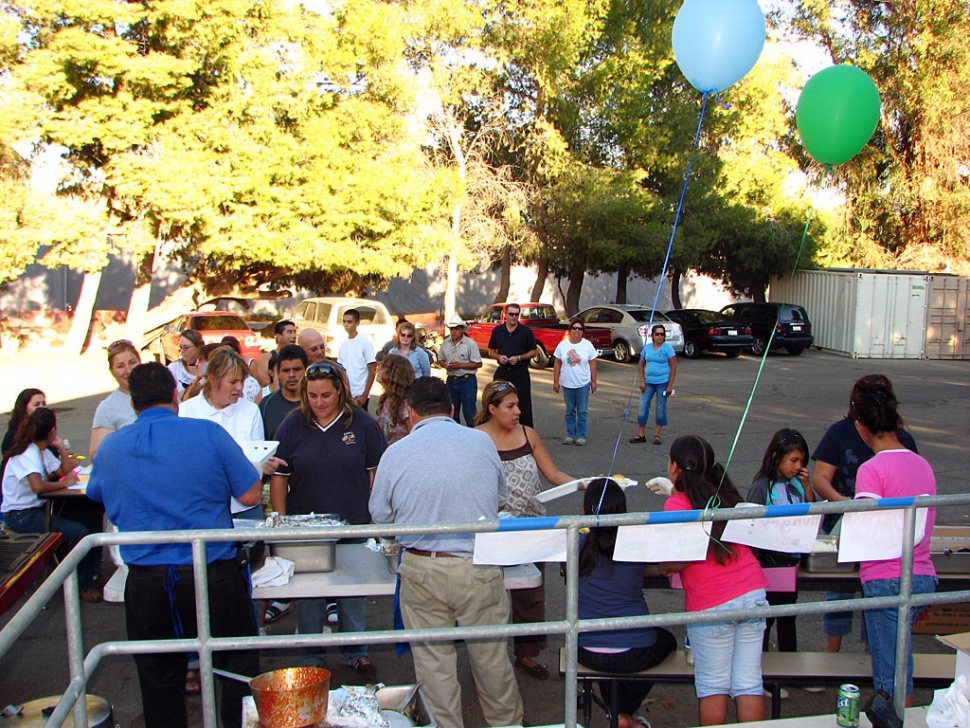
<point>459,356</point>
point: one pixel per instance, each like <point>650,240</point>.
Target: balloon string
<point>764,354</point>
<point>663,271</point>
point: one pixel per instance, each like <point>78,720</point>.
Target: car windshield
<point>218,323</point>
<point>708,317</point>
<point>642,315</point>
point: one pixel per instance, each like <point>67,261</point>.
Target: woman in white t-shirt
<point>33,469</point>
<point>115,410</point>
<point>575,371</point>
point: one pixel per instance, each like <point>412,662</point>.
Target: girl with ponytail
<point>32,469</point>
<point>892,472</point>
<point>727,654</point>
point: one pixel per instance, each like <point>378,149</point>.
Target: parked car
<point>711,331</point>
<point>628,326</point>
<point>163,342</point>
<point>544,322</point>
<point>793,330</point>
<point>326,315</point>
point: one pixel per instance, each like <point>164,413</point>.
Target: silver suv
<point>326,315</point>
<point>629,325</point>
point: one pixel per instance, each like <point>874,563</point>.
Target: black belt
<point>183,568</point>
<point>463,376</point>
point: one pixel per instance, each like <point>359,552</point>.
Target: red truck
<point>545,325</point>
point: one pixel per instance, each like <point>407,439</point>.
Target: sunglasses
<point>504,387</point>
<point>577,328</point>
<point>118,345</point>
<point>323,370</point>
<point>660,333</point>
<point>509,313</point>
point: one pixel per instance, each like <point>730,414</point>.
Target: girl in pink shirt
<point>727,654</point>
<point>892,472</point>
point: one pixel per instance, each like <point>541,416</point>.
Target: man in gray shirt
<point>439,584</point>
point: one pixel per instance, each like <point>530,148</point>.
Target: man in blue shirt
<point>166,473</point>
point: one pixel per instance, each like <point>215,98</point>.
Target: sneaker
<point>569,441</point>
<point>814,689</point>
<point>364,667</point>
<point>784,694</point>
<point>332,616</point>
<point>580,441</point>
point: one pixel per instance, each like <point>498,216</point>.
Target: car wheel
<point>540,360</point>
<point>691,349</point>
<point>733,353</point>
<point>795,352</point>
<point>621,351</point>
<point>758,345</point>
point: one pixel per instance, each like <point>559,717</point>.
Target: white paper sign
<point>791,535</point>
<point>876,535</point>
<point>661,542</point>
<point>510,548</point>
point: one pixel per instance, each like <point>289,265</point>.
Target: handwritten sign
<point>791,535</point>
<point>661,542</point>
<point>876,535</point>
<point>510,548</point>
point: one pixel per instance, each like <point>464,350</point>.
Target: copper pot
<point>291,698</point>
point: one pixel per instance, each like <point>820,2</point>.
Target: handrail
<point>83,667</point>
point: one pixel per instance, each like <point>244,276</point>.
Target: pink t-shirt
<point>897,474</point>
<point>707,583</point>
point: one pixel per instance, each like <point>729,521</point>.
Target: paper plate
<point>574,485</point>
<point>259,451</point>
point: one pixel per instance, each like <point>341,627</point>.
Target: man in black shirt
<point>512,345</point>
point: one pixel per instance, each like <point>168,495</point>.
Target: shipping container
<point>871,314</point>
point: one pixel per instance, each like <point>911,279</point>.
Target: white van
<point>326,314</point>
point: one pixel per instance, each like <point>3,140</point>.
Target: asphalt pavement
<point>808,392</point>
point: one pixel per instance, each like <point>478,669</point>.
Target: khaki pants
<point>438,592</point>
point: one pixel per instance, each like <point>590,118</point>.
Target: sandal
<point>193,683</point>
<point>536,670</point>
<point>638,439</point>
<point>656,440</point>
<point>276,610</point>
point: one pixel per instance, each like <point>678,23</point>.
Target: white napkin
<point>275,571</point>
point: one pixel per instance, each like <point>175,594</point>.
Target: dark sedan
<point>711,331</point>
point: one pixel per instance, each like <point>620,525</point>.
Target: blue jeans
<point>653,389</point>
<point>727,655</point>
<point>34,520</point>
<point>881,626</point>
<point>464,396</point>
<point>311,616</point>
<point>577,411</point>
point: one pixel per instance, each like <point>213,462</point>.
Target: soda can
<point>847,707</point>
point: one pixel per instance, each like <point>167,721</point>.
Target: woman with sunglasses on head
<point>656,373</point>
<point>407,346</point>
<point>27,401</point>
<point>727,654</point>
<point>609,588</point>
<point>523,456</point>
<point>115,410</point>
<point>332,448</point>
<point>575,372</point>
<point>189,368</point>
<point>31,470</point>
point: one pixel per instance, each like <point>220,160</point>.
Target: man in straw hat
<point>460,357</point>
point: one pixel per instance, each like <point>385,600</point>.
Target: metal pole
<point>903,635</point>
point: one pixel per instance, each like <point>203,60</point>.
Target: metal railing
<point>83,667</point>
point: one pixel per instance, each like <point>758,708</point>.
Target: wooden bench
<point>797,669</point>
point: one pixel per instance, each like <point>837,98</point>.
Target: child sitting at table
<point>609,588</point>
<point>31,470</point>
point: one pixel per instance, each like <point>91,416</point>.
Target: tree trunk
<point>141,296</point>
<point>575,291</point>
<point>502,295</point>
<point>451,275</point>
<point>758,294</point>
<point>541,275</point>
<point>81,325</point>
<point>675,276</point>
<point>622,273</point>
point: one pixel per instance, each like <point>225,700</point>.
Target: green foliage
<point>910,187</point>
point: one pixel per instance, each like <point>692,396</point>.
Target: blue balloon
<point>716,42</point>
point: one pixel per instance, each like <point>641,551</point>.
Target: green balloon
<point>837,113</point>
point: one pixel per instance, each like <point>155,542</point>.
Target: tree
<point>910,187</point>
